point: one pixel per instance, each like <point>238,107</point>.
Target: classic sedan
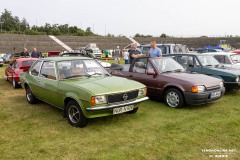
<point>167,80</point>
<point>18,66</point>
<point>227,59</point>
<point>82,88</point>
<point>207,64</point>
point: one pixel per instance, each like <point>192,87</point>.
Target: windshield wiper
<point>73,76</point>
<point>100,74</point>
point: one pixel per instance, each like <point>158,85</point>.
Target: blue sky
<point>128,17</point>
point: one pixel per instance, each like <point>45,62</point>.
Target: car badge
<point>125,97</point>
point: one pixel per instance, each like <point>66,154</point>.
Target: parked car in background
<point>13,71</point>
<point>166,48</point>
<point>206,50</point>
<point>6,57</point>
<point>207,64</point>
<point>53,53</point>
<point>227,59</point>
<point>1,61</point>
<point>167,80</point>
<point>92,48</point>
<point>82,88</point>
<point>236,51</point>
<point>13,57</point>
<point>73,54</point>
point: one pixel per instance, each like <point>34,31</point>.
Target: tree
<point>9,22</point>
<point>163,35</point>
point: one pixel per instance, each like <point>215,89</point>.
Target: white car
<point>227,59</point>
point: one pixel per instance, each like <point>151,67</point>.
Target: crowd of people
<point>129,55</point>
<point>34,54</point>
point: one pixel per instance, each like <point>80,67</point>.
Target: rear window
<point>27,63</point>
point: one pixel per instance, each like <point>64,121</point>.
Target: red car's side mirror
<point>151,72</point>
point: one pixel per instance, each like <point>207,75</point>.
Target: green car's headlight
<point>95,100</point>
<point>142,92</point>
<point>221,84</point>
<point>100,99</point>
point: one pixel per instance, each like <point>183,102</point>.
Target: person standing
<point>125,56</point>
<point>106,52</point>
<point>154,50</point>
<point>117,55</point>
<point>24,53</point>
<point>35,54</point>
<point>134,52</point>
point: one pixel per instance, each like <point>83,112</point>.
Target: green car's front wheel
<point>75,115</point>
<point>30,97</point>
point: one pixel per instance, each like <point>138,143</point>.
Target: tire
<point>15,84</point>
<point>30,97</point>
<point>173,98</point>
<point>133,111</point>
<point>75,115</point>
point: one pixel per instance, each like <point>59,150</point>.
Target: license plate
<point>215,94</point>
<point>122,109</point>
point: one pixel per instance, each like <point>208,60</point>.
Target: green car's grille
<point>122,97</point>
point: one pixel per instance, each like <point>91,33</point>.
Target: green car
<point>82,88</point>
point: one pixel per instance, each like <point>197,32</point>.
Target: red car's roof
<point>26,59</point>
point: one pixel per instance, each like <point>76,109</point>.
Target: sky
<point>128,17</point>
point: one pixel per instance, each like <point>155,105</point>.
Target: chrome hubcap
<point>14,84</point>
<point>74,114</point>
<point>172,99</point>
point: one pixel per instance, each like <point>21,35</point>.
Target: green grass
<point>154,132</point>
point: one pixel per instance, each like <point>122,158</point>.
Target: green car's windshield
<point>80,68</point>
<point>235,58</point>
<point>208,60</point>
<point>167,65</point>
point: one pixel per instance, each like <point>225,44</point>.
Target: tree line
<point>13,24</point>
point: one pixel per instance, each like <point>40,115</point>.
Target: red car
<point>13,71</point>
<point>236,51</point>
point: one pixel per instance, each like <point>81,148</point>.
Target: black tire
<point>173,98</point>
<point>15,84</point>
<point>30,97</point>
<point>133,111</point>
<point>75,115</point>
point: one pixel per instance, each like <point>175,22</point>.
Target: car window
<point>48,70</point>
<point>35,69</point>
<point>80,68</point>
<point>140,65</point>
<point>27,63</point>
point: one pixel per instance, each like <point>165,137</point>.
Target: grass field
<point>154,132</point>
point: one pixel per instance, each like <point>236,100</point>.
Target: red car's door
<point>10,71</point>
<point>139,73</point>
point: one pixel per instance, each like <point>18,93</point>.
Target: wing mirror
<point>150,72</point>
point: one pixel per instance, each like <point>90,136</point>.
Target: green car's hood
<point>105,85</point>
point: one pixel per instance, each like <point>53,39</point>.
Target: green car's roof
<point>63,58</point>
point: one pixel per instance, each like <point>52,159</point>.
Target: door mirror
<point>150,72</point>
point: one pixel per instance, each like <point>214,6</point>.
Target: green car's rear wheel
<point>30,97</point>
<point>75,115</point>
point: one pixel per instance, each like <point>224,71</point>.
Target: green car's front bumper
<point>117,105</point>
